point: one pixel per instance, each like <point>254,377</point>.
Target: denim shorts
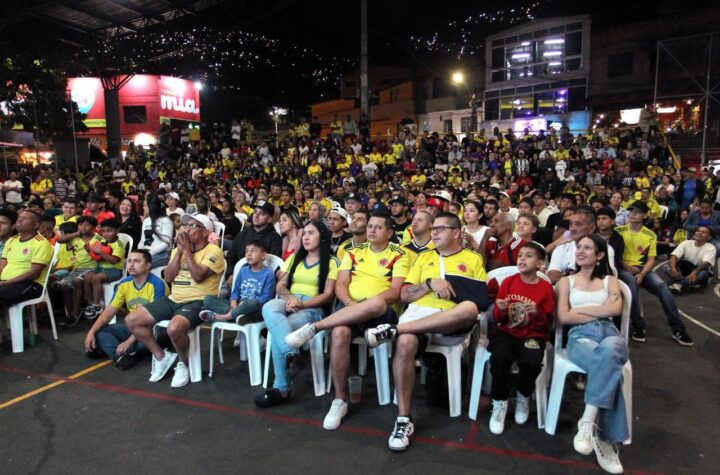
<point>111,273</point>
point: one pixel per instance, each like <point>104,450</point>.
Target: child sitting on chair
<point>253,287</point>
<point>109,253</point>
<point>524,314</point>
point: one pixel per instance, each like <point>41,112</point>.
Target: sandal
<point>270,398</point>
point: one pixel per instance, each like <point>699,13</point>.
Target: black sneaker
<point>682,338</point>
<point>638,334</point>
<point>294,364</point>
<point>94,354</point>
<point>375,337</point>
<point>270,398</point>
<point>92,312</point>
<point>125,362</point>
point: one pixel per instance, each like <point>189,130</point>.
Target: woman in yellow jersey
<point>305,287</point>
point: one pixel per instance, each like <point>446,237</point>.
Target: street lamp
<point>277,113</point>
<point>459,78</point>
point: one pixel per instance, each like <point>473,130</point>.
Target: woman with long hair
<point>157,231</point>
<point>305,286</point>
<point>588,301</point>
<point>475,233</point>
<point>130,222</point>
<point>291,229</point>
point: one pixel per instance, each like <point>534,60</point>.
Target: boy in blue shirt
<point>253,287</point>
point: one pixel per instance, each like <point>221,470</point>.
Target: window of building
<point>465,124</point>
<point>135,114</point>
<point>394,94</point>
<point>447,126</point>
<point>620,65</point>
<point>492,107</point>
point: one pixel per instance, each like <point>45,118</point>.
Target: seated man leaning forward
<point>195,270</point>
<point>114,340</point>
<point>369,281</point>
<point>437,281</point>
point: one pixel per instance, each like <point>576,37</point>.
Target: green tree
<point>34,92</point>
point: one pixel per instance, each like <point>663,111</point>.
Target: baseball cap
<point>398,199</point>
<point>341,212</point>
<point>266,207</point>
<point>380,208</point>
<point>173,195</point>
<point>640,206</point>
<point>201,218</point>
<point>443,195</point>
<point>692,170</point>
<point>352,196</point>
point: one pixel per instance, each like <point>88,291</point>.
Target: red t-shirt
<point>515,321</point>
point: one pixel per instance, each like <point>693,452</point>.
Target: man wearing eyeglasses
<point>438,288</point>
<point>195,270</point>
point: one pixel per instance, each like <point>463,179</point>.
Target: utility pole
<point>364,93</point>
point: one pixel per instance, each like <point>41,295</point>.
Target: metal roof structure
<point>72,21</point>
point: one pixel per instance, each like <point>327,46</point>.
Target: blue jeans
<point>656,286</point>
<point>702,277</point>
<point>109,337</point>
<point>160,259</point>
<point>280,324</point>
<point>598,348</point>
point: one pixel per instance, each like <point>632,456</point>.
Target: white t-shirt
<point>563,259</point>
<point>13,196</point>
<point>688,251</point>
<point>119,176</point>
<point>179,211</point>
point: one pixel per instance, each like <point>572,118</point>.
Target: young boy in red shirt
<point>523,314</point>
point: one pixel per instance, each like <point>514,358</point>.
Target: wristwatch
<point>427,282</point>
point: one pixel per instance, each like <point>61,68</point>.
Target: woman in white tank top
<point>475,234</point>
<point>588,301</point>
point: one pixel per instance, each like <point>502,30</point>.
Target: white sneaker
<point>160,368</point>
<point>400,437</point>
<point>583,441</point>
<point>300,336</point>
<point>181,377</point>
<point>607,456</point>
<point>522,409</point>
<point>497,418</point>
<point>338,410</point>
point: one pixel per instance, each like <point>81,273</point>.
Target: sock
<point>519,395</point>
<point>590,413</point>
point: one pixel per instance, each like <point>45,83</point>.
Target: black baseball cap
<point>606,211</point>
<point>352,196</point>
<point>640,206</point>
<point>266,207</point>
<point>398,199</point>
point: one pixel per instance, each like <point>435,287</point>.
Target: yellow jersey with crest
<point>372,272</point>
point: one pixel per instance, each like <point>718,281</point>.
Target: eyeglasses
<point>439,229</point>
<point>192,226</point>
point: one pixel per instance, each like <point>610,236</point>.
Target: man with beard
<point>398,211</point>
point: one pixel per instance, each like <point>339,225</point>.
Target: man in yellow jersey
<point>420,237</point>
<point>24,262</point>
<point>369,281</point>
<point>195,270</point>
<point>437,288</point>
<point>358,229</point>
<point>114,340</point>
<point>69,212</point>
<point>638,262</point>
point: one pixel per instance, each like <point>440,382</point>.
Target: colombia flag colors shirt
<point>21,255</point>
<point>372,272</point>
<point>185,289</point>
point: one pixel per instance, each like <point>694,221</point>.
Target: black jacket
<point>268,236</point>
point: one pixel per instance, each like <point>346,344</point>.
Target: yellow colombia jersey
<point>21,255</point>
<point>65,257</point>
<point>372,272</point>
<point>185,289</point>
<point>343,247</point>
<point>118,250</point>
<point>413,250</point>
<point>305,279</point>
<point>465,263</point>
<point>80,257</point>
<point>639,245</point>
<point>128,296</point>
<point>60,219</point>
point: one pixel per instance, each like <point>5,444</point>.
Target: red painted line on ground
<point>469,444</point>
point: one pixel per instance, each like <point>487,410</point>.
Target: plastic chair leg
<point>244,347</point>
<point>556,391</point>
<point>481,359</point>
<point>317,359</point>
<point>362,358</point>
<point>52,316</point>
<point>16,328</point>
<point>268,357</point>
<point>252,338</point>
<point>213,331</point>
<point>194,356</point>
<point>627,394</point>
<point>452,359</point>
<point>382,373</point>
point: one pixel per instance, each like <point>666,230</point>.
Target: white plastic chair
<point>220,231</point>
<point>250,344</point>
<point>316,346</point>
<point>15,312</point>
<point>453,359</point>
<point>109,288</point>
<point>562,366</point>
<point>194,352</point>
<point>381,356</point>
<point>664,210</point>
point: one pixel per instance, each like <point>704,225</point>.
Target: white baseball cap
<point>200,218</point>
<point>341,212</point>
